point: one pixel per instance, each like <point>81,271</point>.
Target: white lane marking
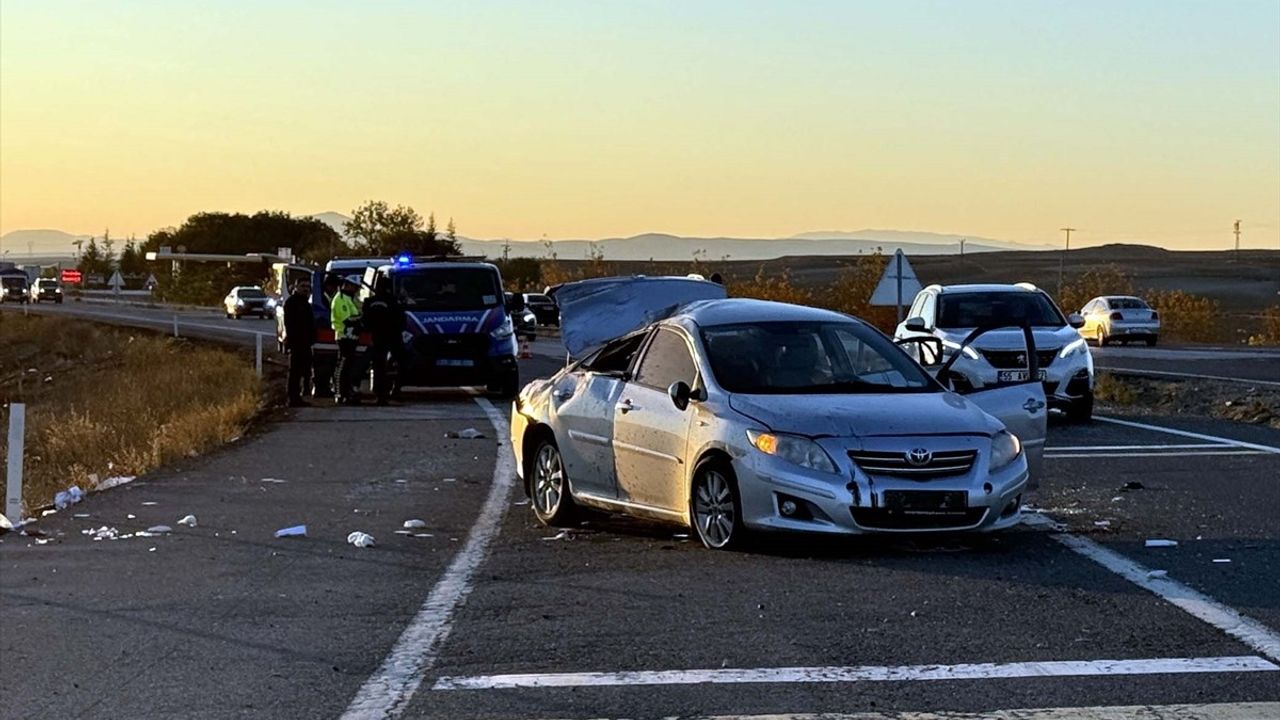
<point>1218,711</point>
<point>1194,453</point>
<point>1188,434</point>
<point>862,673</point>
<point>1191,376</point>
<point>1073,448</point>
<point>387,692</point>
<point>1247,630</point>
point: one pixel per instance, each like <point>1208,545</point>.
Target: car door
<point>1020,406</point>
<point>650,434</point>
<point>585,400</point>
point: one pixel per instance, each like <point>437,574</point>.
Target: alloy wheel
<point>548,480</point>
<point>713,509</point>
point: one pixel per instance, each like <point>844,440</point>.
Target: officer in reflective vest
<point>344,316</point>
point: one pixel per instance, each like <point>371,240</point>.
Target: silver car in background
<point>1119,318</point>
<point>732,416</point>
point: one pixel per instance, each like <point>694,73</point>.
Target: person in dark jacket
<point>299,336</point>
<point>384,317</point>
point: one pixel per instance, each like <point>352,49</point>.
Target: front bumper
<point>853,502</point>
<point>1065,379</point>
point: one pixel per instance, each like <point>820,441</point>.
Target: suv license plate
<point>455,363</point>
<point>1016,376</point>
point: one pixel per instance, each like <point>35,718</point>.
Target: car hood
<point>593,312</point>
<point>1011,338</point>
<point>856,415</point>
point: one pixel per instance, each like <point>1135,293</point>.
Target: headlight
<point>950,348</point>
<point>504,330</point>
<point>1005,448</point>
<point>1074,348</point>
<point>794,449</point>
<point>240,302</point>
<point>271,302</point>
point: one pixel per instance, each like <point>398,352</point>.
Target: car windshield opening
<point>810,358</point>
<point>447,288</point>
<point>997,309</point>
<point>252,293</point>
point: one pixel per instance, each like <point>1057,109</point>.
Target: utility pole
<point>1062,259</point>
<point>1237,231</point>
<point>961,248</point>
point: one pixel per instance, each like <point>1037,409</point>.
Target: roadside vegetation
<point>109,402</point>
<point>1237,402</point>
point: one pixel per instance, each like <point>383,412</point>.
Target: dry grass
<point>1114,391</point>
<point>107,401</point>
<point>1270,331</point>
<point>1187,317</point>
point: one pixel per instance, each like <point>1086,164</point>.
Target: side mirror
<point>680,394</point>
<point>1075,320</point>
<point>916,324</point>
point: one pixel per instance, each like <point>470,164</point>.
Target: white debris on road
<point>295,531</point>
<point>159,529</point>
<point>70,496</point>
<point>273,480</point>
<point>5,525</point>
<point>468,434</point>
<point>1161,543</point>
<point>360,539</point>
<point>102,533</point>
<point>112,482</point>
<point>415,524</point>
<point>189,521</point>
<point>1222,560</point>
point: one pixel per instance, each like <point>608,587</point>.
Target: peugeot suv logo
<point>919,457</point>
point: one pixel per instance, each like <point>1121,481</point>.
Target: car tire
<point>715,508</point>
<point>549,491</point>
<point>1081,409</point>
<point>508,386</point>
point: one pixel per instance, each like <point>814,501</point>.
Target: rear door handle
<point>627,406</point>
<point>1033,405</point>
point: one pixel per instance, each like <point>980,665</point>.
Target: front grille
<point>459,346</point>
<point>940,464</point>
<point>1017,359</point>
<point>883,519</point>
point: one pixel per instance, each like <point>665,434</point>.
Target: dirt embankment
<point>1239,402</point>
<point>105,401</point>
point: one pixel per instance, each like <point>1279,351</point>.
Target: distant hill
<point>20,244</point>
<point>648,246</point>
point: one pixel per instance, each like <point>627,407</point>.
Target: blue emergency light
<point>403,259</point>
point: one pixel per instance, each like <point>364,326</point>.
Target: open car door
<point>1020,406</point>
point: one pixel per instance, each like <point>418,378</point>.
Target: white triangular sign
<point>116,282</point>
<point>886,292</point>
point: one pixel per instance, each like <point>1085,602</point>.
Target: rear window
<point>1128,304</point>
<point>995,309</point>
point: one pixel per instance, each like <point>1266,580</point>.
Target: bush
<point>778,288</point>
<point>1186,317</point>
<point>1270,334</point>
<point>1105,280</point>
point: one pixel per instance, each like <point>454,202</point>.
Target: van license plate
<point>1015,376</point>
<point>445,362</point>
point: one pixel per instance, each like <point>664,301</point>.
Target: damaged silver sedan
<point>733,416</point>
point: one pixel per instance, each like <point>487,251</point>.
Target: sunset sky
<point>1153,122</point>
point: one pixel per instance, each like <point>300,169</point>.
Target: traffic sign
<point>116,282</point>
<point>71,276</point>
<point>898,285</point>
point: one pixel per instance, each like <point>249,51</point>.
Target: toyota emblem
<point>919,457</point>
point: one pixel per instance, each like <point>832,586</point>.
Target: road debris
<point>113,482</point>
<point>1157,543</point>
<point>47,513</point>
<point>1102,523</point>
<point>295,531</point>
<point>131,516</point>
<point>189,521</point>
<point>468,434</point>
<point>70,496</point>
<point>102,533</point>
<point>1157,574</point>
<point>273,480</point>
<point>360,539</point>
<point>450,480</point>
<point>1132,485</point>
<point>149,503</point>
<point>80,516</point>
<point>5,525</point>
<point>159,529</point>
<point>415,524</point>
<point>562,535</point>
<point>1222,560</point>
<point>423,535</point>
<point>404,532</point>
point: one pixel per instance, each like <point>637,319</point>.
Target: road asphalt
<point>495,616</point>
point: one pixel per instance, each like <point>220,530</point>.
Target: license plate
<point>1013,376</point>
<point>445,362</point>
<point>926,501</point>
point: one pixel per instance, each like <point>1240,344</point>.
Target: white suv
<point>951,312</point>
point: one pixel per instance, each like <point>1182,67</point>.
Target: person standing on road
<point>344,317</point>
<point>299,336</point>
<point>385,319</point>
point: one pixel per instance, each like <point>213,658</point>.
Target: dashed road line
<point>388,691</point>
<point>863,673</point>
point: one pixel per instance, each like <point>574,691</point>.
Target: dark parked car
<point>544,309</point>
<point>14,288</point>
